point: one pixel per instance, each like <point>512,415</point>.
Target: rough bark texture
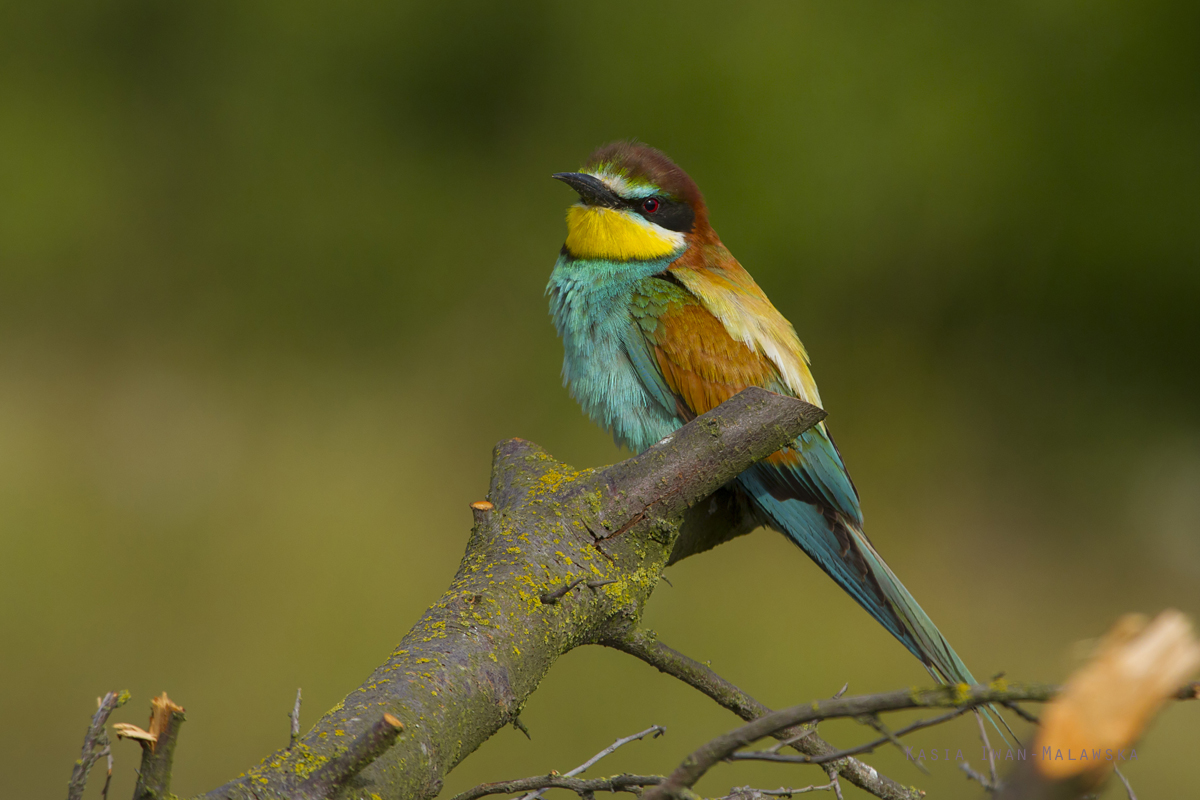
<point>468,666</point>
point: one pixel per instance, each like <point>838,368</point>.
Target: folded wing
<point>693,349</point>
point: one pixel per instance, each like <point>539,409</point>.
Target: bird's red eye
<point>650,205</point>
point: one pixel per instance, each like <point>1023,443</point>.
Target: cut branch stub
<point>338,772</point>
<point>469,664</point>
<point>158,748</point>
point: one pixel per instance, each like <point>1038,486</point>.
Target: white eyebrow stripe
<point>615,182</point>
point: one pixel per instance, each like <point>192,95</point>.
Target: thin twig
<point>1125,783</point>
<point>108,775</point>
<point>550,598</point>
<point>656,730</point>
<point>978,777</point>
<point>1020,712</point>
<point>959,697</point>
<point>790,741</point>
<point>516,723</point>
<point>617,783</point>
<point>875,722</point>
<point>750,793</point>
<point>772,754</point>
<point>645,646</point>
<point>95,744</point>
<point>987,748</point>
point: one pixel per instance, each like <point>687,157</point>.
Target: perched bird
<point>660,323</point>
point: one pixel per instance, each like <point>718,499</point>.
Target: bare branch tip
<point>96,745</point>
<point>551,598</point>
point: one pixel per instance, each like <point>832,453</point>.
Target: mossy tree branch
<point>469,664</point>
<point>557,559</point>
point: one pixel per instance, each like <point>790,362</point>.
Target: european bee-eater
<point>660,323</point>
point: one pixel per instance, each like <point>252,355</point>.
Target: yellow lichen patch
<point>551,481</point>
<point>299,759</point>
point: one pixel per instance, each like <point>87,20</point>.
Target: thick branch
<point>643,645</point>
<point>703,455</point>
<point>469,664</point>
<point>723,516</point>
<point>518,602</point>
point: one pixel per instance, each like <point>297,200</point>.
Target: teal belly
<point>590,305</point>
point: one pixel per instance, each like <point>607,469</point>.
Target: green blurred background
<point>271,284</point>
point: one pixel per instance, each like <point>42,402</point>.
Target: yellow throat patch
<point>595,232</point>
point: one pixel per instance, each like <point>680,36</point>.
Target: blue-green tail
<point>839,547</point>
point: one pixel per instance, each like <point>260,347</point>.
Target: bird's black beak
<point>592,191</point>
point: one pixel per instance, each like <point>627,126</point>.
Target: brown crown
<point>643,161</point>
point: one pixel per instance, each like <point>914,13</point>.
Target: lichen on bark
<point>467,667</point>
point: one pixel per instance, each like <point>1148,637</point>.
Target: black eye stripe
<point>674,215</point>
